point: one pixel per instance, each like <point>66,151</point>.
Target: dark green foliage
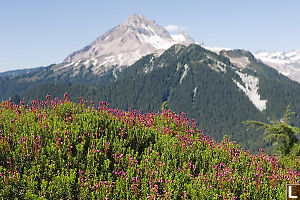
<point>284,135</point>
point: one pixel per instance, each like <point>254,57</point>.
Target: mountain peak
<point>139,24</point>
<point>136,19</point>
<point>125,44</point>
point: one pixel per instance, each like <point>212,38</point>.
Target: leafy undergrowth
<point>62,150</point>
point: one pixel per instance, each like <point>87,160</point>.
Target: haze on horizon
<point>38,33</point>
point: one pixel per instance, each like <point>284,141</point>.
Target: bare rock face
<point>123,45</point>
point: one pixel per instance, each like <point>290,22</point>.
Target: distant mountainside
<point>287,63</point>
<point>18,72</point>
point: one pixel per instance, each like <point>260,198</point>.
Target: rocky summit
<point>125,44</point>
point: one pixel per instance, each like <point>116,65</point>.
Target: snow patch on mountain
<point>77,63</point>
<point>86,62</point>
<point>273,57</point>
<point>218,66</point>
<point>286,63</point>
<point>250,88</point>
<point>158,42</point>
<point>216,49</point>
<point>149,67</point>
<point>94,61</point>
<point>221,66</point>
<point>186,69</point>
<point>194,92</point>
<point>294,55</point>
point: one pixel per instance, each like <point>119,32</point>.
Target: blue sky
<point>41,32</point>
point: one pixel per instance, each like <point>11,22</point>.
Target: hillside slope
<point>62,150</point>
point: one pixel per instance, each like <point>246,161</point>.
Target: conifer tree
<point>281,132</point>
